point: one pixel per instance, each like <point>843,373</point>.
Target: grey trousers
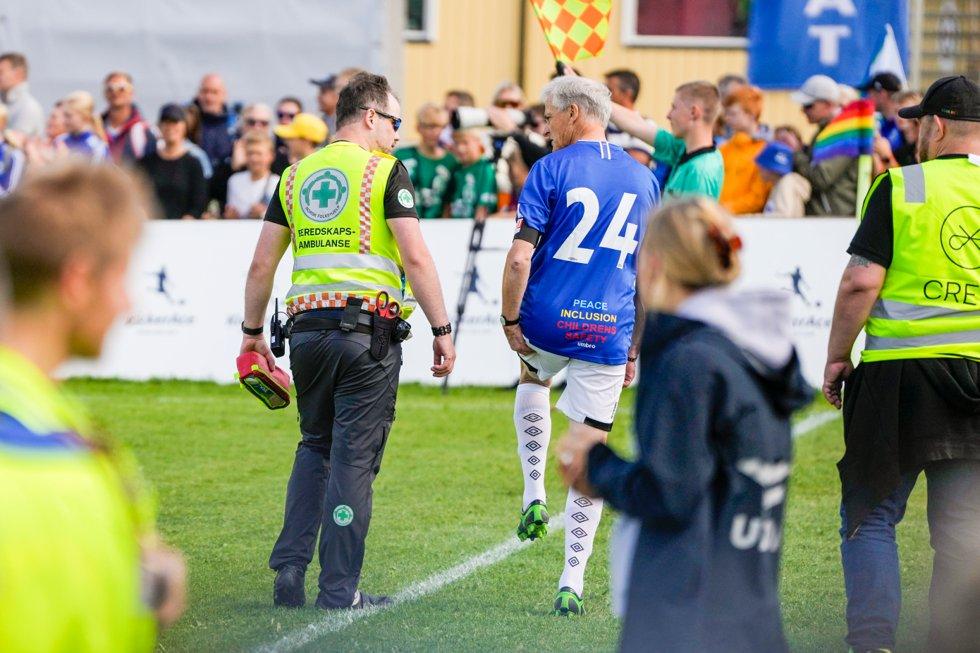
<point>346,402</point>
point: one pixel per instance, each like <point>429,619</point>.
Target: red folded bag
<point>271,388</point>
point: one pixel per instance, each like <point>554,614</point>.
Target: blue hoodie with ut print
<point>696,555</point>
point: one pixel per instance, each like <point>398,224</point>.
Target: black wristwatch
<point>250,331</point>
<point>443,330</point>
<point>505,322</point>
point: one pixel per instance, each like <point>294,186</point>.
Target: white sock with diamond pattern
<point>582,516</point>
<point>532,420</point>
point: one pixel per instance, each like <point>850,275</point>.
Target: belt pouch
<point>348,321</point>
<point>381,331</point>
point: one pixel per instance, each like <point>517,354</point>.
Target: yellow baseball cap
<point>305,126</point>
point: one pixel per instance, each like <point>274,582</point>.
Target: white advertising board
<point>187,284</point>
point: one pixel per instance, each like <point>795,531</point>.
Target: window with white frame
<point>420,20</point>
<point>685,23</point>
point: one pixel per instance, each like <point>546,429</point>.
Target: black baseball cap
<point>883,82</point>
<point>172,113</point>
<point>954,98</point>
<point>330,81</point>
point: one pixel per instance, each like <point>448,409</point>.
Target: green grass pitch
<point>449,489</point>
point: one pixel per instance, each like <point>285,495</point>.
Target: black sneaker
<point>289,590</point>
<point>361,601</point>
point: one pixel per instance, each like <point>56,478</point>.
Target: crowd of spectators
<point>715,143</point>
<point>204,158</point>
<point>207,158</point>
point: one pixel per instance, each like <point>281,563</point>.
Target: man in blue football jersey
<point>569,293</point>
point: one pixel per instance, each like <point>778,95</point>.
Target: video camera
<point>465,117</point>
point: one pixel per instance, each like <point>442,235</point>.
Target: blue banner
<point>789,40</point>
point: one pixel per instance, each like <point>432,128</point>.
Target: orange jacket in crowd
<point>744,190</point>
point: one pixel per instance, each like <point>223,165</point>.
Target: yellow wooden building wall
<point>950,40</point>
<point>478,45</point>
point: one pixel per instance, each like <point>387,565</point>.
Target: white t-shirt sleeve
<point>238,195</point>
<point>244,193</point>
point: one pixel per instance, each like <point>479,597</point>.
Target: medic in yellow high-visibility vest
<point>347,211</point>
<point>81,568</point>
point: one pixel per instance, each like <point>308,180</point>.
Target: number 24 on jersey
<point>625,243</point>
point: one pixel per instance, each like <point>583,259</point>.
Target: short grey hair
<point>507,86</point>
<point>592,98</point>
<point>258,107</point>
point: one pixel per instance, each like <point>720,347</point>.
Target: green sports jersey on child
<point>700,172</point>
<point>473,186</point>
<point>430,177</point>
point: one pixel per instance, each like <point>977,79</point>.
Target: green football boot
<point>534,522</point>
<point>569,603</point>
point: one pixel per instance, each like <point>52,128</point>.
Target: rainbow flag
<point>574,29</point>
<point>851,133</point>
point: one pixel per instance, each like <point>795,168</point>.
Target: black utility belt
<point>351,319</point>
<point>312,323</point>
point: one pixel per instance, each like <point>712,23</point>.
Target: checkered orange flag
<point>575,29</point>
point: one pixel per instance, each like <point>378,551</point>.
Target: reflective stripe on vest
<point>302,303</point>
<point>290,182</point>
<point>364,205</point>
<point>342,245</point>
<point>353,261</point>
<point>915,184</point>
<point>929,305</point>
<point>326,295</point>
<point>316,289</point>
<point>889,309</point>
<point>954,338</point>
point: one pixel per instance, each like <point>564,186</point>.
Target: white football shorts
<point>592,390</point>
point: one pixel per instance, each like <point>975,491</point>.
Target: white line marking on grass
<point>337,621</point>
<point>813,422</point>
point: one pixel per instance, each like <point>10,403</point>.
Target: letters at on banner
<point>790,40</point>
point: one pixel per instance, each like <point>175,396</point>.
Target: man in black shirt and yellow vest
<point>348,211</point>
<point>913,404</point>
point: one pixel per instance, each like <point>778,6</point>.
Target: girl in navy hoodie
<point>696,555</point>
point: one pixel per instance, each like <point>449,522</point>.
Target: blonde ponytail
<point>695,240</point>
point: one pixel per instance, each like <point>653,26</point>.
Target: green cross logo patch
<point>343,515</point>
<point>405,198</point>
<point>324,194</point>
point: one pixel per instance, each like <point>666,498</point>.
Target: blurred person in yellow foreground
<point>81,567</point>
